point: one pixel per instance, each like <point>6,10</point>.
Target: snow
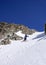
<point>30,52</point>
<point>19,33</point>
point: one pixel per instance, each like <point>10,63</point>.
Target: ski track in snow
<point>30,52</point>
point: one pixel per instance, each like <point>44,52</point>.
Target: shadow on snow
<point>40,37</point>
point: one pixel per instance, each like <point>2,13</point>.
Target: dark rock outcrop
<point>6,28</point>
<point>5,42</point>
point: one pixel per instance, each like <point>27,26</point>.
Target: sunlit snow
<point>29,52</point>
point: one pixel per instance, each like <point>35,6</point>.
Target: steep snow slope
<point>30,52</point>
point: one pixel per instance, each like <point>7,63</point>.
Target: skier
<point>25,37</point>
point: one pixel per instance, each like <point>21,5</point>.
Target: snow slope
<point>30,52</point>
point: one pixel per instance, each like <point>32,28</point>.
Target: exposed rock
<point>6,28</point>
<point>15,37</point>
<point>5,41</point>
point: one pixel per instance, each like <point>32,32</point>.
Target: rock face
<point>7,32</point>
<point>5,42</point>
<point>15,37</point>
<point>6,28</point>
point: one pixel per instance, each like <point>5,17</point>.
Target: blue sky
<point>31,13</point>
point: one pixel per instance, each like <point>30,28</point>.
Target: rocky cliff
<point>6,28</point>
<point>7,31</point>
